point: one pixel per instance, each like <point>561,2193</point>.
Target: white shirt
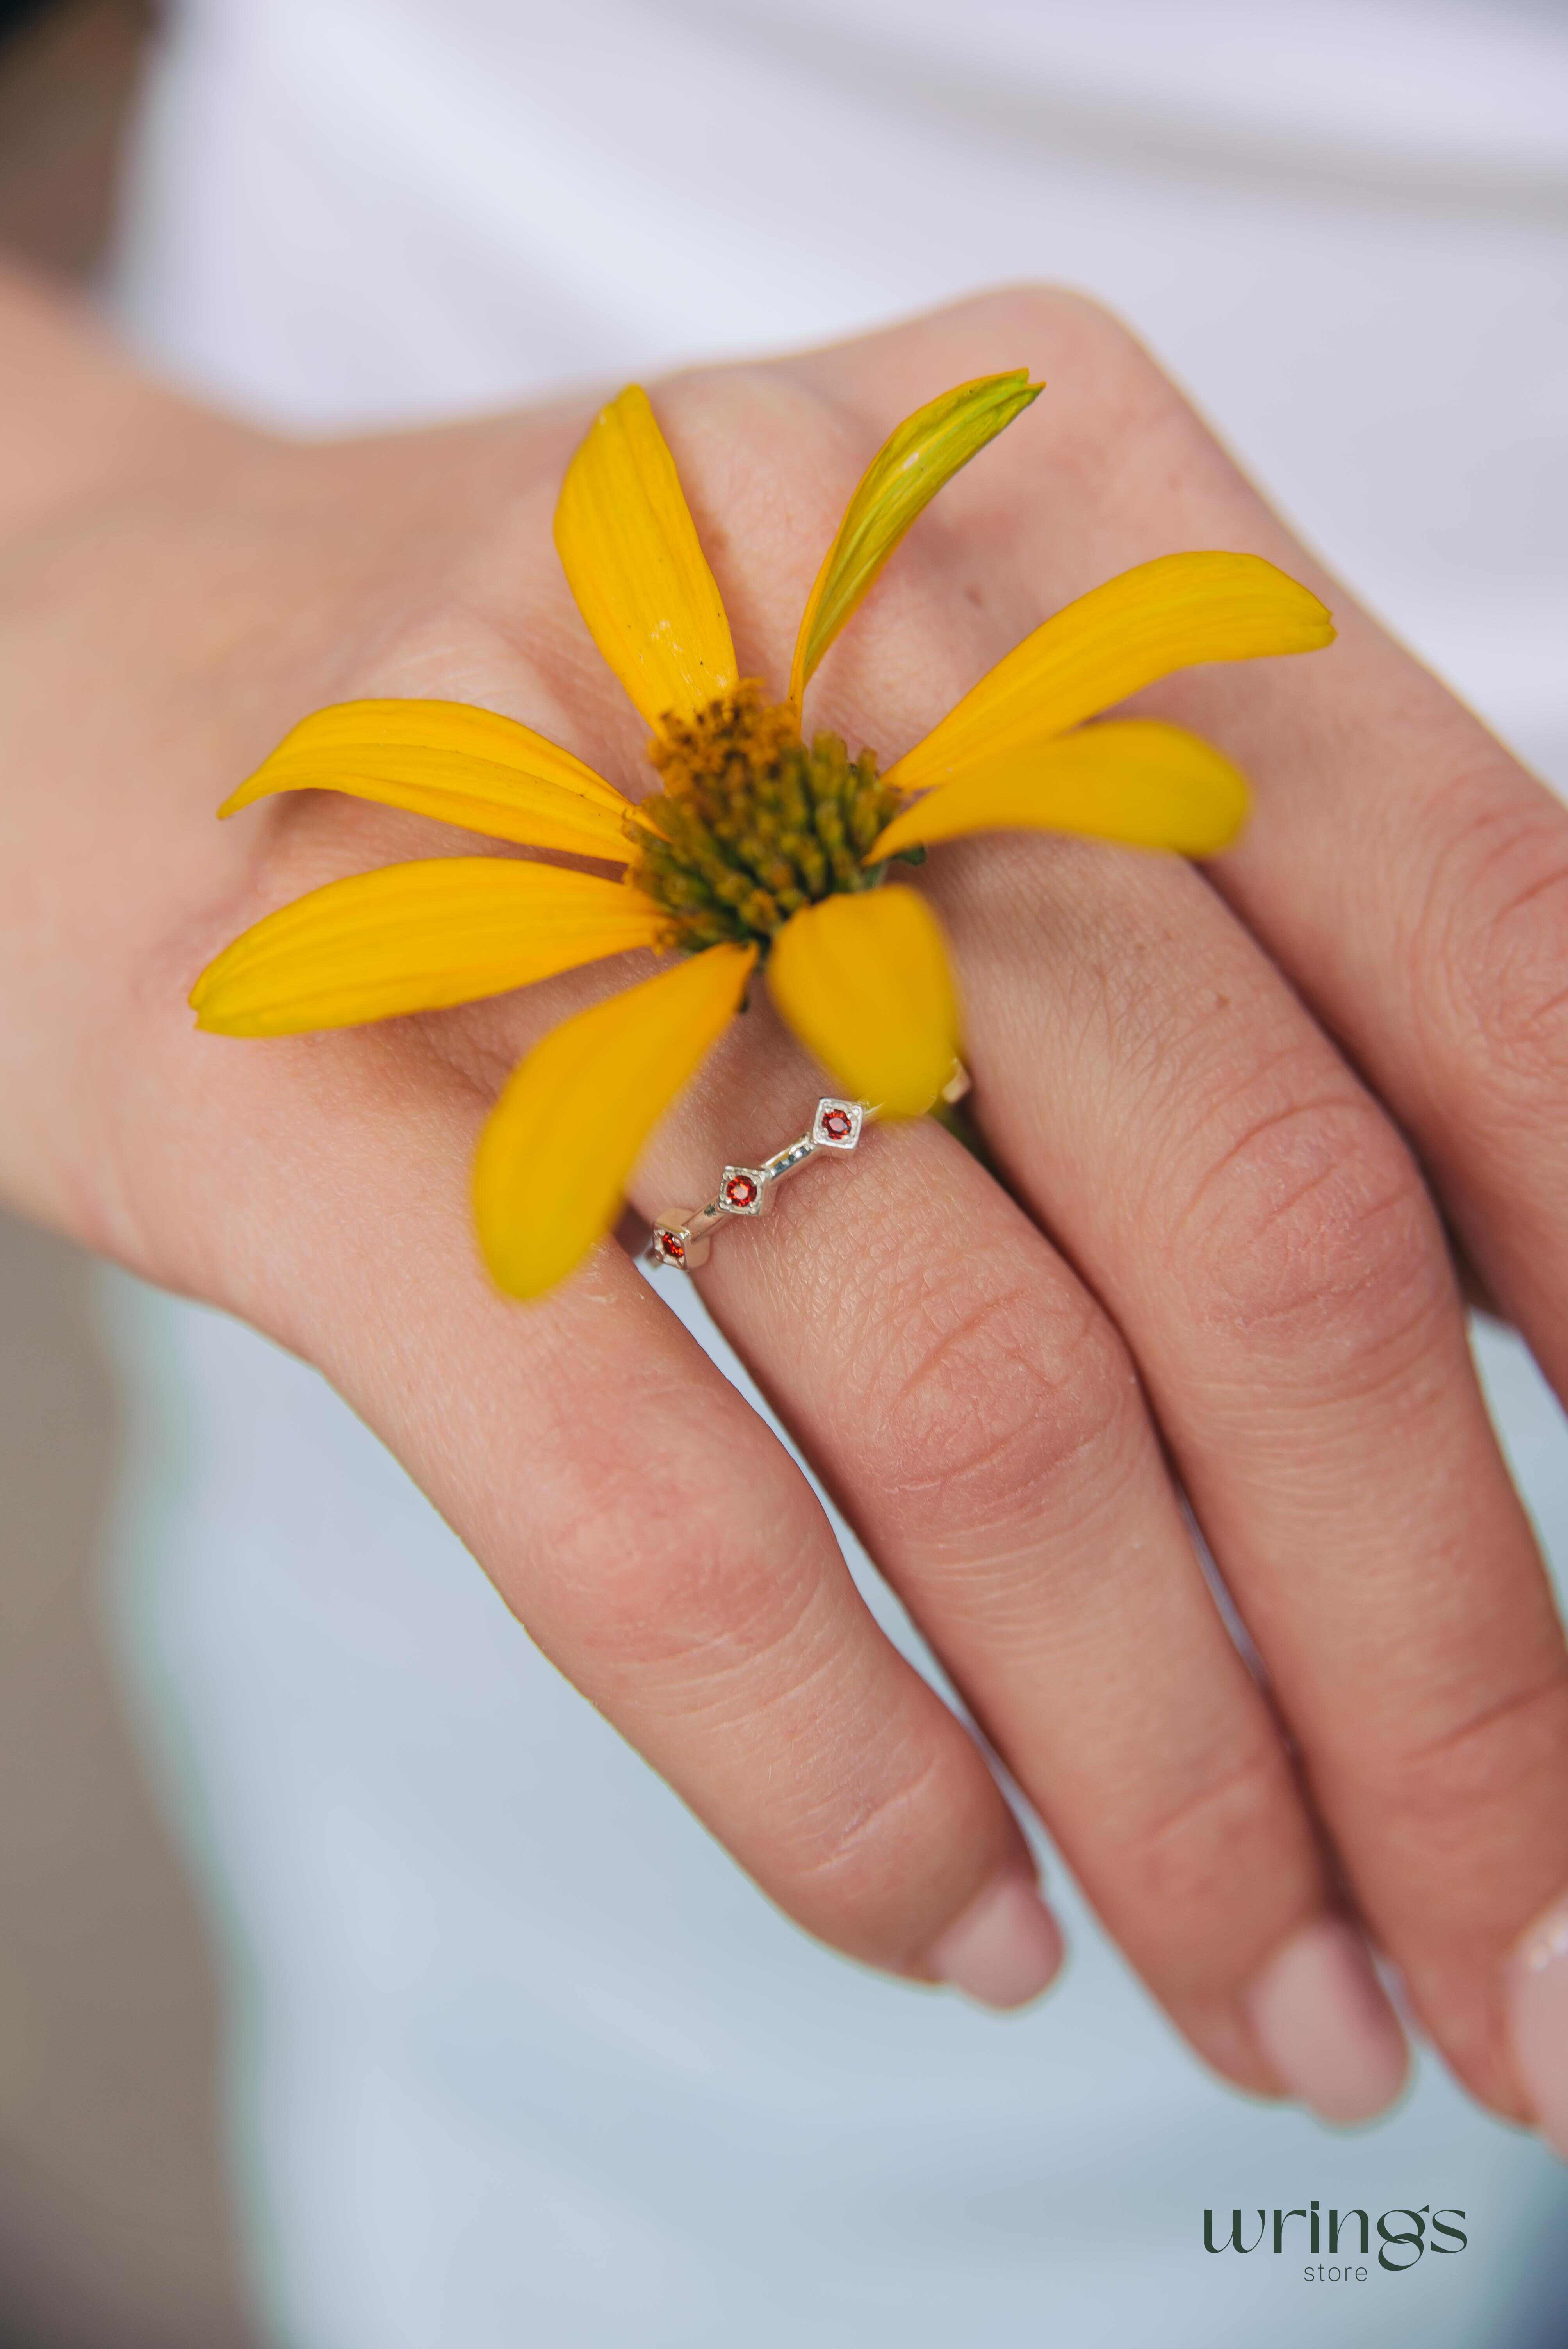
<point>519,2057</point>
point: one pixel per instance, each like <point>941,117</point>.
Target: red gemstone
<point>673,1248</point>
<point>740,1191</point>
<point>836,1124</point>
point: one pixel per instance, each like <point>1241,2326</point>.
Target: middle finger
<point>1160,1099</point>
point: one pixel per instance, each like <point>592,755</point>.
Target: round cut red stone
<point>837,1124</point>
<point>673,1248</point>
<point>740,1191</point>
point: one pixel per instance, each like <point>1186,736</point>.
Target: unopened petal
<point>416,938</point>
<point>1165,615</point>
<point>454,762</point>
<point>1129,779</point>
<point>864,982</point>
<point>911,466</point>
<point>629,549</point>
<point>559,1144</point>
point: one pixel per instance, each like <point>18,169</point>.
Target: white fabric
<point>520,2059</point>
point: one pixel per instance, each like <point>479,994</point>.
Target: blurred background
<point>115,2225</point>
<point>114,2218</point>
<point>1355,256</point>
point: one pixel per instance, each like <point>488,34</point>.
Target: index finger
<point>640,1519</point>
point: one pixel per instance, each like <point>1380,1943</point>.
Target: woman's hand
<point>1231,1111</point>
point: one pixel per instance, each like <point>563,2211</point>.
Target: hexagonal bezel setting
<point>837,1124</point>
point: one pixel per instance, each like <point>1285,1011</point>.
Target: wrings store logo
<point>1349,2234</point>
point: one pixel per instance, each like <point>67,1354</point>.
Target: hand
<point>1213,1265</point>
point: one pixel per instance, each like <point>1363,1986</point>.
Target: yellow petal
<point>559,1144</point>
<point>863,981</point>
<point>899,483</point>
<point>1128,778</point>
<point>629,549</point>
<point>413,937</point>
<point>458,764</point>
<point>1164,615</point>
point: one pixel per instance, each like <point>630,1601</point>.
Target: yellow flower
<point>759,847</point>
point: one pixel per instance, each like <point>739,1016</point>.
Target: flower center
<point>752,823</point>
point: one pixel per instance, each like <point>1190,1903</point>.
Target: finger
<point>651,1534</point>
<point>1409,873</point>
<point>1404,869</point>
<point>1405,872</point>
<point>981,1425</point>
<point>1260,1234</point>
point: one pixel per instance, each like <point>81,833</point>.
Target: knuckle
<point>1114,402</point>
<point>414,652</point>
<point>743,420</point>
<point>1032,310</point>
<point>649,1564</point>
<point>1312,1224</point>
<point>1491,949</point>
<point>1188,1859</point>
<point>1482,1776</point>
<point>850,1852</point>
<point>895,1846</point>
<point>1033,313</point>
<point>990,1390</point>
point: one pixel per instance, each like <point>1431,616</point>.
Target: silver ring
<point>683,1236</point>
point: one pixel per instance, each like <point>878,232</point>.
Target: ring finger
<point>981,1424</point>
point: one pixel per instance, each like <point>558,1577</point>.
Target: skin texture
<point>1230,1112</point>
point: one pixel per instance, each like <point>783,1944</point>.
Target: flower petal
<point>629,549</point>
<point>414,937</point>
<point>556,1152</point>
<point>1128,778</point>
<point>456,764</point>
<point>863,980</point>
<point>911,466</point>
<point>1164,615</point>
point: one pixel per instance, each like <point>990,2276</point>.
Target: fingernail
<point>1003,1949</point>
<point>1325,2024</point>
<point>1535,1984</point>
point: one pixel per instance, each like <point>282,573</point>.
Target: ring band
<point>682,1236</point>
